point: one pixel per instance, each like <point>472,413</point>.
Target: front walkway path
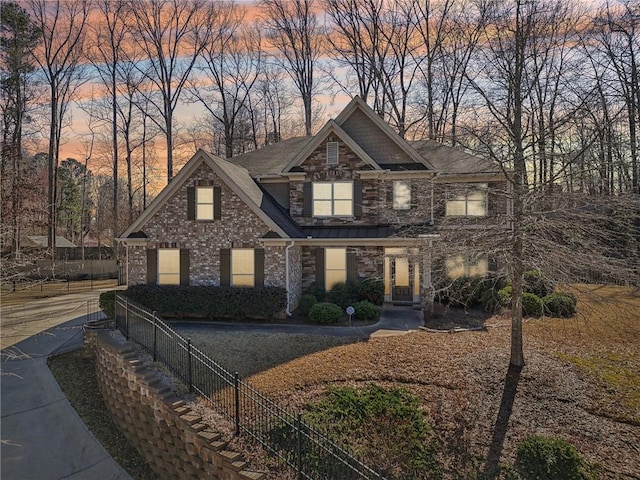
<point>43,438</point>
<point>393,321</point>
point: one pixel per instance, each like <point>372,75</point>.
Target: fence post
<point>126,317</point>
<point>236,400</point>
<point>299,445</point>
<point>155,335</point>
<point>189,371</point>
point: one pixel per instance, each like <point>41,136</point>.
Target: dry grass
<point>581,382</point>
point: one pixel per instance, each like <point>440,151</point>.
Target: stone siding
<point>170,436</point>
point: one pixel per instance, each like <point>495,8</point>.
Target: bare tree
<point>294,30</point>
<point>172,34</point>
<point>231,63</point>
<point>63,27</point>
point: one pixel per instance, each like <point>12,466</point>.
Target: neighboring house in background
<point>353,201</point>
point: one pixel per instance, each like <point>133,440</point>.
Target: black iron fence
<point>310,453</point>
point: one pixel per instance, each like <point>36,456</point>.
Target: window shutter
<point>390,195</point>
<point>412,193</point>
<point>357,198</point>
<point>258,267</point>
<point>152,266</point>
<point>184,267</point>
<point>320,267</point>
<point>225,267</point>
<point>307,206</point>
<point>217,203</point>
<point>191,203</point>
<point>352,267</point>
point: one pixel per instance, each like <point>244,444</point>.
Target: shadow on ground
<point>445,318</point>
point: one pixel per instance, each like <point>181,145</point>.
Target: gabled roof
<point>43,241</point>
<point>272,159</point>
<point>359,105</point>
<point>448,159</point>
<point>330,127</point>
<point>235,177</point>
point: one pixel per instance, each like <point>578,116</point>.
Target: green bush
<point>490,301</point>
<point>325,313</point>
<point>317,291</point>
<point>371,289</point>
<point>210,302</point>
<point>545,458</point>
<point>306,302</point>
<point>536,283</point>
<point>107,302</point>
<point>341,294</point>
<point>504,296</point>
<point>465,291</point>
<point>365,310</point>
<point>559,304</point>
<point>385,427</point>
<point>531,305</point>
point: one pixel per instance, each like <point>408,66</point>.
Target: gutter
<point>287,279</point>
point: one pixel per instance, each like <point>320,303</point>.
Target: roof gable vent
<point>332,153</point>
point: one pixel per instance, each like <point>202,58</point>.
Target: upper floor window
<point>401,195</point>
<point>168,266</point>
<point>335,266</point>
<point>332,153</point>
<point>204,203</point>
<point>471,202</point>
<point>332,199</point>
<point>242,267</point>
<point>460,266</point>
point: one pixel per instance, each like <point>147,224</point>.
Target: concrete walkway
<point>43,438</point>
<point>393,321</point>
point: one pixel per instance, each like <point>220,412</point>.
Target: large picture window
<point>471,202</point>
<point>459,266</point>
<point>335,266</point>
<point>168,266</point>
<point>204,203</point>
<point>242,267</point>
<point>332,199</point>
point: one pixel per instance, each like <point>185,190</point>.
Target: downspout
<point>287,275</point>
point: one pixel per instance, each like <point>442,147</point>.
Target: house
<point>353,201</point>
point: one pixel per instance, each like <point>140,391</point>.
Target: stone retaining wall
<point>170,436</point>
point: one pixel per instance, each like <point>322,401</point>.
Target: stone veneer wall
<point>170,436</point>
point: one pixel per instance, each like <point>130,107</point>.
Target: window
<point>168,266</point>
<point>335,266</point>
<point>472,202</point>
<point>332,199</point>
<point>459,266</point>
<point>401,195</point>
<point>242,267</point>
<point>204,203</point>
<point>332,153</point>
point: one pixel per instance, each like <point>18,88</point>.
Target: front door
<point>401,280</point>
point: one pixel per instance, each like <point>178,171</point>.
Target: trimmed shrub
<point>465,291</point>
<point>531,305</point>
<point>490,301</point>
<point>325,313</point>
<point>107,302</point>
<point>306,302</point>
<point>366,310</point>
<point>210,302</point>
<point>536,283</point>
<point>371,289</point>
<point>504,296</point>
<point>317,291</point>
<point>546,458</point>
<point>341,294</point>
<point>386,427</point>
<point>559,304</point>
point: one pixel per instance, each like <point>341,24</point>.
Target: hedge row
<point>208,302</point>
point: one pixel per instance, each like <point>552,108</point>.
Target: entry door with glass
<point>401,280</point>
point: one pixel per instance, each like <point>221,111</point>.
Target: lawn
<point>581,381</point>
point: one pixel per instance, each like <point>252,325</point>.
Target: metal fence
<point>310,453</point>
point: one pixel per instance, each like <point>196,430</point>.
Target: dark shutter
<point>357,198</point>
<point>184,267</point>
<point>307,206</point>
<point>152,266</point>
<point>191,203</point>
<point>412,194</point>
<point>320,267</point>
<point>258,267</point>
<point>225,267</point>
<point>352,267</point>
<point>390,195</point>
<point>217,203</point>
